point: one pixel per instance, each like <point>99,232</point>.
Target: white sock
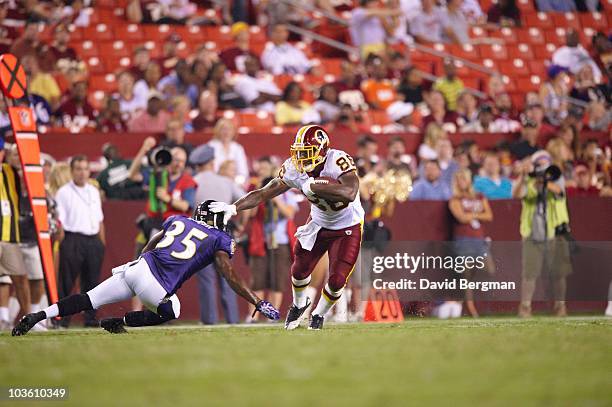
<point>327,300</point>
<point>14,308</point>
<point>51,311</point>
<point>298,287</point>
<point>4,314</point>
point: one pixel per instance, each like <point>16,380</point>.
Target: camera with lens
<point>546,173</point>
<point>159,157</point>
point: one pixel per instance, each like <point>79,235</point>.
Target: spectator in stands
<point>109,119</point>
<point>569,135</point>
<point>553,94</point>
<point>270,236</point>
<point>601,50</point>
<point>474,155</point>
<point>430,187</point>
<point>544,217</point>
<point>235,56</point>
<point>449,121</point>
<point>291,108</point>
<point>327,105</point>
<point>366,156</point>
<point>505,13</point>
<point>39,82</point>
<point>486,122</point>
<point>527,145</point>
<point>535,112</point>
<point>348,86</point>
<point>170,56</point>
<point>280,57</point>
<point>600,117</point>
<point>401,115</point>
<point>130,102</point>
<point>495,87</point>
<point>397,64</point>
<point>561,6</point>
<point>561,156</point>
<point>149,80</point>
<point>254,88</point>
<point>29,42</point>
<point>455,23</point>
<point>448,166</point>
<point>573,56</point>
<point>348,120</point>
<point>8,33</point>
<point>491,183</point>
<point>79,211</point>
<point>153,119</point>
<point>207,116</point>
<point>582,181</point>
<point>61,56</point>
<point>585,88</point>
<point>428,149</point>
<point>226,148</point>
<point>217,82</point>
<point>370,27</point>
<point>378,90</point>
<point>506,120</point>
<point>412,86</point>
<point>469,209</point>
<point>450,85</point>
<point>467,107</point>
<point>141,58</point>
<point>175,136</point>
<point>115,180</point>
<point>180,109</point>
<point>398,159</point>
<point>179,82</point>
<point>75,111</point>
<point>218,188</point>
<point>428,25</point>
<point>502,149</point>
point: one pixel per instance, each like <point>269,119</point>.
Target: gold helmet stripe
<point>300,136</point>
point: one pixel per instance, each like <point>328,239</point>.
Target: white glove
<point>227,209</point>
<point>306,187</point>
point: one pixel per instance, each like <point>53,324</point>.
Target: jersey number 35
<point>175,230</point>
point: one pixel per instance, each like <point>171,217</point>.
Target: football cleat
<point>27,322</point>
<point>316,323</point>
<point>295,315</point>
<point>113,325</point>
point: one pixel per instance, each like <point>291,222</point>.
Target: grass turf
<point>543,361</point>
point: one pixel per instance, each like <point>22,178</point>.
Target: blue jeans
<point>208,297</point>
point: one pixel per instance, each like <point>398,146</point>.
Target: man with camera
<point>544,228</point>
<point>170,189</point>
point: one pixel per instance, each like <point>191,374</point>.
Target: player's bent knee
<point>169,308</point>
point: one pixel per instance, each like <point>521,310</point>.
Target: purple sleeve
<point>226,243</point>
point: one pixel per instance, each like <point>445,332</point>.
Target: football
<point>326,180</point>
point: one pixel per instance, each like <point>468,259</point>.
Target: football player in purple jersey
<point>183,247</point>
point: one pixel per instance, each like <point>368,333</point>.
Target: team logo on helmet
<point>309,148</point>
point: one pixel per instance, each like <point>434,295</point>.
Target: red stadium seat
<point>521,51</point>
<point>98,32</point>
<point>525,5</point>
<point>556,36</point>
<point>530,35</point>
<point>129,32</point>
<point>95,65</point>
<point>566,20</point>
<point>538,68</point>
<point>106,83</point>
<point>540,20</point>
<point>85,49</point>
<point>596,21</point>
<point>113,49</point>
<point>467,51</point>
<point>256,122</point>
<point>105,16</point>
<point>528,84</point>
<point>495,52</point>
<point>544,52</point>
<point>516,67</point>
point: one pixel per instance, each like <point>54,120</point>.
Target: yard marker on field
<point>383,306</point>
<point>23,122</point>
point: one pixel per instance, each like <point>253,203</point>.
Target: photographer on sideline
<point>171,190</point>
<point>544,229</point>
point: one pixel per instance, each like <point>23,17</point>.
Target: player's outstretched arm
<point>270,190</point>
<point>224,267</point>
<point>345,192</point>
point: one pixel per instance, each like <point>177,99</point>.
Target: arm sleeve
<point>60,206</point>
<point>226,243</point>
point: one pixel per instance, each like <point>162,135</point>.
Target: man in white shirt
<point>280,57</point>
<point>428,25</point>
<point>257,91</point>
<point>79,211</point>
<point>573,56</point>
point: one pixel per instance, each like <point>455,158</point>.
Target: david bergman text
<point>425,284</point>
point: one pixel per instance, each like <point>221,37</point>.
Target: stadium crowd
<point>174,95</point>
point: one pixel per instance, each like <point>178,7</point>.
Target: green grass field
<point>544,361</point>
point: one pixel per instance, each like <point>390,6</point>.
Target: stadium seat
<point>85,49</point>
<point>378,117</point>
<point>543,52</point>
<point>98,32</point>
<point>526,6</point>
<point>332,66</point>
<point>95,65</point>
<point>106,83</point>
<point>537,67</point>
<point>113,49</point>
<point>495,52</point>
<point>520,51</point>
<point>467,51</point>
<point>596,21</point>
<point>539,20</point>
<point>528,84</point>
<point>566,20</point>
<point>530,35</point>
<point>555,36</point>
<point>128,32</point>
<point>514,68</point>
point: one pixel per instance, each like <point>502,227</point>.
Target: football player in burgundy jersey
<point>336,218</point>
